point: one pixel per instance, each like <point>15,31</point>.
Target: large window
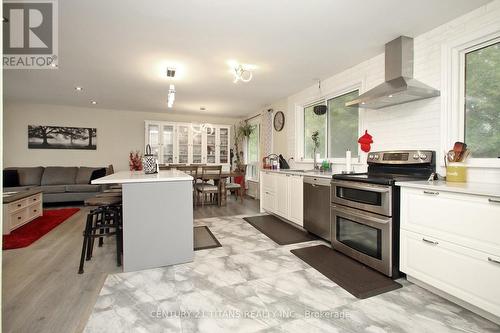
<point>338,128</point>
<point>253,153</point>
<point>482,100</point>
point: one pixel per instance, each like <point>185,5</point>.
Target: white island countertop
<point>123,177</point>
<point>486,189</point>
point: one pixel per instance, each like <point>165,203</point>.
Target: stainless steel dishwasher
<point>317,206</point>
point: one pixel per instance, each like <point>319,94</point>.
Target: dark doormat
<point>204,239</point>
<point>358,279</point>
<point>279,231</point>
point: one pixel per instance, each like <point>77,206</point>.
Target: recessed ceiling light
<point>78,88</point>
<point>93,102</point>
<point>390,96</point>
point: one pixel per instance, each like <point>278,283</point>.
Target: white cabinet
<point>450,242</point>
<point>188,142</point>
<point>296,199</point>
<point>281,194</point>
<point>20,212</point>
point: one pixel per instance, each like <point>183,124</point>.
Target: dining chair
<point>210,172</point>
<point>191,170</point>
<point>238,187</point>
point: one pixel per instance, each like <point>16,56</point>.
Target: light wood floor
<point>41,290</point>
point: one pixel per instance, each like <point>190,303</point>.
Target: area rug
<point>204,239</point>
<point>34,230</point>
<point>359,280</point>
<point>279,231</point>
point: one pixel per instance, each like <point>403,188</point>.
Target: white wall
<point>118,132</point>
<point>408,126</point>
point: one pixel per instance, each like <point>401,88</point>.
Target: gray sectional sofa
<point>59,184</point>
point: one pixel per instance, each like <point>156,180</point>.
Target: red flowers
<point>135,161</point>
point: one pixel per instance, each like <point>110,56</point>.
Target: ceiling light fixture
<point>170,72</point>
<point>171,96</point>
<point>241,72</point>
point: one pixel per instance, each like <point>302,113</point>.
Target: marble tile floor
<point>251,284</point>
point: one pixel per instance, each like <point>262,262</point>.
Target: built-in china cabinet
<point>173,142</point>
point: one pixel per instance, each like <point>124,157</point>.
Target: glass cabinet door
<point>168,143</point>
<point>183,143</point>
<point>197,143</point>
<point>224,145</point>
<point>210,145</point>
<point>153,133</point>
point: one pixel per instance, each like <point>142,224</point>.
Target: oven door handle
<point>371,188</point>
<point>355,213</point>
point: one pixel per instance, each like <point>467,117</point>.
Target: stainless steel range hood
<point>399,86</point>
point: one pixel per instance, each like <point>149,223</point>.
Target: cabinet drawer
<point>468,220</point>
<point>34,198</point>
<point>18,218</point>
<point>470,275</point>
<point>17,205</point>
<point>34,211</point>
<point>269,181</point>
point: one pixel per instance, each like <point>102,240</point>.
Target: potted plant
<point>242,130</point>
<point>315,139</point>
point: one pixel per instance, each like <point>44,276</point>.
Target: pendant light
<point>322,108</point>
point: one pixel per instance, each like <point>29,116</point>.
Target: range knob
<point>415,156</point>
<point>376,156</point>
<point>423,156</point>
<point>370,156</point>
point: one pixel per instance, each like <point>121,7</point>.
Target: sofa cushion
<point>10,178</point>
<point>83,188</point>
<point>29,175</point>
<point>83,175</point>
<point>53,188</point>
<point>59,175</point>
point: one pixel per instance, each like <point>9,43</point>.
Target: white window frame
<point>453,91</point>
<point>253,122</point>
<point>299,126</point>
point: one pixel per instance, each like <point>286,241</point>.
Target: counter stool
<point>104,221</point>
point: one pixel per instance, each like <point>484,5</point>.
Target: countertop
<point>486,189</point>
<point>9,197</point>
<point>301,172</point>
<point>123,177</point>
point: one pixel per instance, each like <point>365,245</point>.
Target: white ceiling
<point>115,49</point>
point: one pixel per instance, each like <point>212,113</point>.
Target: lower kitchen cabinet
<point>450,242</point>
<point>282,195</point>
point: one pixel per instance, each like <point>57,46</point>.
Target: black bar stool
<point>104,221</point>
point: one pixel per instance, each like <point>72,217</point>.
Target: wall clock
<point>279,121</point>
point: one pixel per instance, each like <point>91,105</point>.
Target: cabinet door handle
<point>494,200</point>
<point>19,217</point>
<point>493,260</point>
<point>18,205</point>
<point>431,192</point>
<point>429,241</point>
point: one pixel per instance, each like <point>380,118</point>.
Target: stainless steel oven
<point>364,236</point>
<point>370,197</point>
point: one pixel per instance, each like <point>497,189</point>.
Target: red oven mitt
<point>365,142</point>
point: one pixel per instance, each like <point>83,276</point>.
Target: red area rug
<point>30,232</point>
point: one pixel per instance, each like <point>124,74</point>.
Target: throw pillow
<point>10,178</point>
<point>97,174</point>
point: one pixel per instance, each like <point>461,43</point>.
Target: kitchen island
<point>157,218</point>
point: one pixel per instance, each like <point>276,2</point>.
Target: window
<point>338,128</point>
<point>312,123</point>
<point>482,100</point>
<point>252,150</point>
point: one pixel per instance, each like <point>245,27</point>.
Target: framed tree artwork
<point>59,137</point>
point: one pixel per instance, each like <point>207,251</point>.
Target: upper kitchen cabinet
<point>188,142</point>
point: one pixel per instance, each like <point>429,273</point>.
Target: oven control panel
<point>401,157</point>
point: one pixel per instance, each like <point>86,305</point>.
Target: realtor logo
<point>30,34</point>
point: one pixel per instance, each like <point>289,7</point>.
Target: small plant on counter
<point>135,161</point>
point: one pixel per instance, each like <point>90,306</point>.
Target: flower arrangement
<point>135,161</point>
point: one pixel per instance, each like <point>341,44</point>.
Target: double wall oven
<point>364,211</point>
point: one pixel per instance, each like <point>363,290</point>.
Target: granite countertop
<point>302,172</point>
<point>486,189</point>
<point>124,177</point>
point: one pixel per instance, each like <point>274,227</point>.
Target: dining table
<point>223,176</point>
